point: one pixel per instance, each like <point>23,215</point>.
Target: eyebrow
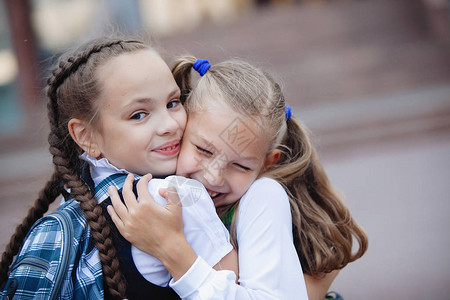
<point>150,100</point>
<point>174,92</point>
<point>138,101</point>
<point>205,141</point>
<point>247,158</point>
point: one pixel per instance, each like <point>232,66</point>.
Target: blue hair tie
<point>201,66</point>
<point>287,112</point>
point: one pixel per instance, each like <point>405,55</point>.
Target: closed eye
<point>204,151</point>
<point>242,167</point>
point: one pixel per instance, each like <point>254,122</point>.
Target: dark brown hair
<point>72,92</point>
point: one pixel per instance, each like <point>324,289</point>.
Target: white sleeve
<point>269,267</point>
<point>203,229</point>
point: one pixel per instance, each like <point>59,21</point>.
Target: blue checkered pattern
<point>40,258</point>
<point>41,255</point>
<point>117,180</point>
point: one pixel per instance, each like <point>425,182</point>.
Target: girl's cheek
<point>188,163</point>
<point>242,185</point>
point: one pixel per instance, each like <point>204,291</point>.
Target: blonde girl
<point>240,130</point>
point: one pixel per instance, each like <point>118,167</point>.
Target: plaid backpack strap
<point>117,180</point>
<point>42,263</point>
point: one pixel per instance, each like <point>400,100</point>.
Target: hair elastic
<point>201,66</point>
<point>287,112</point>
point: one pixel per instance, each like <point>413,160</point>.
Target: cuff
<point>193,279</point>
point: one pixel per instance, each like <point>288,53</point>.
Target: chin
<point>163,172</point>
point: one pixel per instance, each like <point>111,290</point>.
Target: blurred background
<point>370,78</point>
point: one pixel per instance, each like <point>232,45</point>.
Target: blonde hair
<point>322,225</point>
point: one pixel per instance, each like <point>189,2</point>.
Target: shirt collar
<point>100,170</point>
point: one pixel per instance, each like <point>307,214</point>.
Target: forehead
<point>234,134</point>
<point>137,74</point>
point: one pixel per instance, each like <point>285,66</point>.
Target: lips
<point>214,195</point>
<point>168,149</point>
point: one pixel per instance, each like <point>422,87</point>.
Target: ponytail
<point>181,71</point>
<point>322,225</point>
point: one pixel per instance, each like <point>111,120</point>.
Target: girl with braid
<point>114,109</point>
<point>267,183</point>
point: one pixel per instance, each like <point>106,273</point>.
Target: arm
<point>203,230</point>
<point>267,274</point>
<point>135,221</point>
<point>317,288</point>
<point>269,267</point>
<point>171,247</point>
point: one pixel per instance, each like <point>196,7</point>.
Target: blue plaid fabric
<point>44,244</point>
<point>117,180</point>
<point>41,258</point>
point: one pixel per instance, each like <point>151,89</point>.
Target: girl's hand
<point>154,229</point>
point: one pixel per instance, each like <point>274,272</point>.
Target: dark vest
<point>137,286</point>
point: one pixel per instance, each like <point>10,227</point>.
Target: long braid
<point>46,196</point>
<point>71,91</point>
<point>65,160</point>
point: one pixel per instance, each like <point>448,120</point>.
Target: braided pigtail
<point>62,86</point>
<point>47,195</point>
<point>72,91</point>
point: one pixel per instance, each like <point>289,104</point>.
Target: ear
<point>82,135</point>
<point>272,158</point>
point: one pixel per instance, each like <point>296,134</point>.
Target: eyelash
<point>209,153</point>
<point>137,114</point>
<point>243,167</point>
<point>177,101</point>
<point>204,151</point>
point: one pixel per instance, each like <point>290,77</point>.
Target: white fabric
<point>202,227</point>
<point>269,267</point>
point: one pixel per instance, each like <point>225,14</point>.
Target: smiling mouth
<point>169,149</point>
<point>214,195</point>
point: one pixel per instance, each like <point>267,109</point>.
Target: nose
<point>167,125</point>
<point>214,174</point>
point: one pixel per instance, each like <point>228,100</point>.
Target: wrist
<point>178,256</point>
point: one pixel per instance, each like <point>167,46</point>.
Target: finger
<point>120,209</point>
<point>127,192</point>
<point>115,218</point>
<point>142,189</point>
<point>171,195</point>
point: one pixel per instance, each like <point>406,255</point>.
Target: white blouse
<point>203,229</point>
<point>269,267</point>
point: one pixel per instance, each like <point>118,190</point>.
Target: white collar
<point>101,168</point>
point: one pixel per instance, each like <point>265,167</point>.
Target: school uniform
<point>203,229</point>
<point>82,278</point>
<point>269,267</point>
